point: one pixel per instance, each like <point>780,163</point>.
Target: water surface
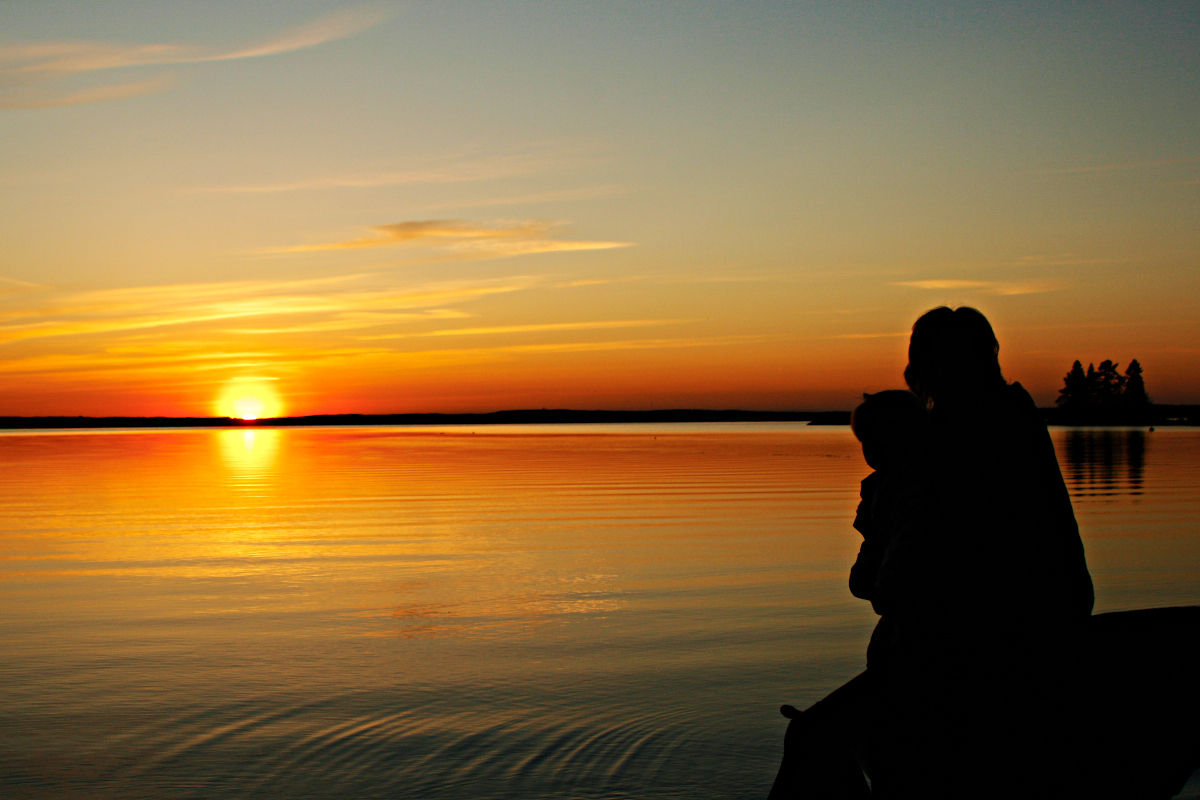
<point>524,612</point>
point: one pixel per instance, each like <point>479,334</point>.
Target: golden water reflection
<point>1105,461</point>
<point>439,612</point>
<point>249,453</point>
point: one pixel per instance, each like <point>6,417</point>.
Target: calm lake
<point>492,612</point>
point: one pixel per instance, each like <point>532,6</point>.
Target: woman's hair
<point>953,354</point>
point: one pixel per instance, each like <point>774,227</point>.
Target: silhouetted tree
<point>1074,394</point>
<point>1108,386</point>
<point>1102,395</point>
<point>1136,399</point>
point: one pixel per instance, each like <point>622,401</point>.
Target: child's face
<point>875,455</point>
<point>888,450</point>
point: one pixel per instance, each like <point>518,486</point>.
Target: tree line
<point>1104,393</point>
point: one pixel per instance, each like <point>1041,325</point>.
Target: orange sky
<point>456,207</point>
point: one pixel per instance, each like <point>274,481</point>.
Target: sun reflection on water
<point>537,612</point>
<point>249,455</point>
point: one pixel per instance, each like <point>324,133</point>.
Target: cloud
<point>67,58</point>
<point>198,335</point>
<point>12,284</point>
<point>46,60</point>
<point>466,168</point>
<point>25,63</point>
<point>537,328</point>
<point>946,284</point>
<point>503,249</point>
<point>986,287</point>
<point>73,367</point>
<point>92,362</point>
<point>354,321</point>
<point>112,311</point>
<point>588,282</point>
<point>339,25</point>
<point>631,344</point>
<point>160,334</point>
<point>895,335</point>
<point>98,94</point>
<point>468,238</point>
<point>431,229</point>
<point>482,354</point>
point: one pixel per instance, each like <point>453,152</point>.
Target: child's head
<point>889,425</point>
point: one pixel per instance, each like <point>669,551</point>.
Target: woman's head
<point>953,355</point>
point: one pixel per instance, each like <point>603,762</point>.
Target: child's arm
<point>866,568</point>
<point>870,553</point>
<point>905,581</point>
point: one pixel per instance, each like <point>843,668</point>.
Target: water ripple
<point>427,748</point>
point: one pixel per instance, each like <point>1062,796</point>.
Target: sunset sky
<point>472,206</point>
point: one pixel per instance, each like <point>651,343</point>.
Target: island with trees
<point>1104,395</point>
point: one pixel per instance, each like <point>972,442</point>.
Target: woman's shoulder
<point>1021,424</point>
<point>1015,403</point>
<point>1016,393</point>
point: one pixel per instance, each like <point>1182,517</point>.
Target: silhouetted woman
<point>989,592</point>
<point>1001,545</point>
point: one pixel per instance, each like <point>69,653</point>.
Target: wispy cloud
<point>31,71</point>
<point>74,363</point>
<point>134,333</point>
<point>112,311</point>
<point>98,94</point>
<point>459,168</point>
<point>329,28</point>
<point>894,335</point>
<point>67,58</point>
<point>443,229</point>
<point>357,320</point>
<point>468,238</point>
<point>946,284</point>
<point>585,282</point>
<point>537,328</point>
<point>71,368</point>
<point>184,332</point>
<point>479,354</point>
<point>12,284</point>
<point>986,287</point>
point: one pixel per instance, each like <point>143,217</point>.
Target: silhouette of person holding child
<point>972,558</point>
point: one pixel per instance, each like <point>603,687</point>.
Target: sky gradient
<point>473,206</point>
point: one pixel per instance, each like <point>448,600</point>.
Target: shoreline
<point>517,417</point>
<point>1163,416</point>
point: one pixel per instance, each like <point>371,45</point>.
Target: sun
<point>249,399</point>
<point>248,407</point>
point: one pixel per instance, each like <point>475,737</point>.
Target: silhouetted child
<point>826,746</point>
<point>892,426</point>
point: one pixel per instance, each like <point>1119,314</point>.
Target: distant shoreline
<point>1161,415</point>
<point>520,417</point>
